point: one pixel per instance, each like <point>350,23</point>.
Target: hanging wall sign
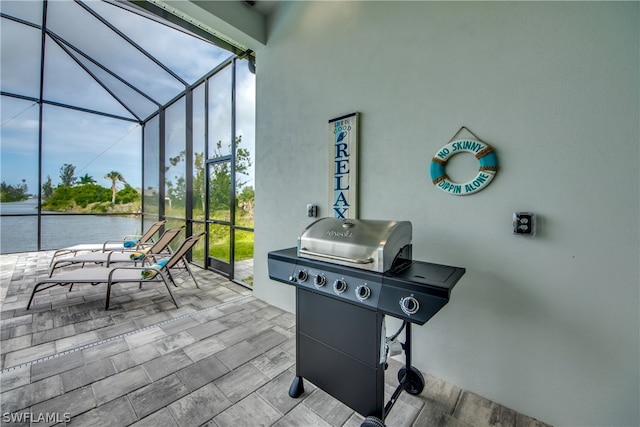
<point>486,171</point>
<point>343,166</point>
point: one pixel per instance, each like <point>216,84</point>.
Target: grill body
<point>348,275</point>
<point>339,335</point>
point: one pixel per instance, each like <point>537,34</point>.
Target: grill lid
<point>374,245</point>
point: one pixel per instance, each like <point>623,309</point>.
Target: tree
<point>220,180</point>
<point>127,195</point>
<point>243,162</point>
<point>86,179</point>
<point>47,189</point>
<point>246,200</point>
<point>219,188</point>
<point>199,181</point>
<point>180,189</point>
<point>13,193</point>
<point>66,175</point>
<point>115,177</point>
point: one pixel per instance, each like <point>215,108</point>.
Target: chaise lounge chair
<point>130,242</point>
<point>143,256</point>
<point>160,272</point>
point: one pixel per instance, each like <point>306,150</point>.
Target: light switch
<point>312,210</point>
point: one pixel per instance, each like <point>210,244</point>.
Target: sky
<point>94,144</point>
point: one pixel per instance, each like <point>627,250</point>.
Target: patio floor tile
<point>56,365</point>
<point>74,403</point>
<point>202,372</point>
<point>301,415</point>
<point>31,394</point>
<point>119,384</point>
<point>241,382</point>
<point>199,406</point>
<point>330,409</point>
<point>164,365</point>
<point>157,395</point>
<point>117,412</point>
<point>250,411</point>
<point>87,374</point>
<point>159,418</point>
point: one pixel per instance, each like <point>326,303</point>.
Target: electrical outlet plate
<point>524,224</point>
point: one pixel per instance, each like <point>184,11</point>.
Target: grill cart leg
<point>297,387</point>
<point>411,380</point>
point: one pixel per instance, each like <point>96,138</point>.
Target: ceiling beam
<point>235,22</point>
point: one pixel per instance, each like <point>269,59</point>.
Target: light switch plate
<point>312,210</point>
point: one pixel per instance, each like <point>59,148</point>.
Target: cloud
<point>95,145</point>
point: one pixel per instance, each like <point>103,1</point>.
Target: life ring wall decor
<point>487,170</point>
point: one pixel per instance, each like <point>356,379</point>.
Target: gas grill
<point>349,274</point>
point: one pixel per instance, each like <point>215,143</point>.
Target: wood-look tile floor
<point>224,358</point>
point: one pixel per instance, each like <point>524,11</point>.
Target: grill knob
<point>409,305</point>
<point>319,281</point>
<point>363,292</point>
<point>302,276</point>
<point>339,286</point>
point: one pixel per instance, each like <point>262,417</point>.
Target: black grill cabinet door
<point>338,349</point>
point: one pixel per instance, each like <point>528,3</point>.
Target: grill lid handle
<point>337,258</point>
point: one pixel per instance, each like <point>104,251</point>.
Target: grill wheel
<point>372,422</point>
<point>414,381</point>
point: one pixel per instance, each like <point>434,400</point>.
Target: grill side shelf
<point>441,279</point>
<point>417,293</point>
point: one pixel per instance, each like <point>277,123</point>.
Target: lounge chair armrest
<point>131,237</point>
<point>147,267</point>
<point>127,268</point>
<point>142,279</point>
<point>114,269</point>
<point>109,255</point>
<point>110,242</point>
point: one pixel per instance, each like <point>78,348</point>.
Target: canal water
<point>19,233</point>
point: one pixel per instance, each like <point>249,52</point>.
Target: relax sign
<point>343,166</point>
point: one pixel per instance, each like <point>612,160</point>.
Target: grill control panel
<point>415,294</point>
<point>352,287</point>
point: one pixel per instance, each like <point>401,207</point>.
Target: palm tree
<point>114,177</point>
<point>87,179</point>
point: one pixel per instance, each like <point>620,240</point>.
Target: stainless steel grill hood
<point>373,245</point>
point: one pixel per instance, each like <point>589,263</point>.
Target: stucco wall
<point>548,326</point>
